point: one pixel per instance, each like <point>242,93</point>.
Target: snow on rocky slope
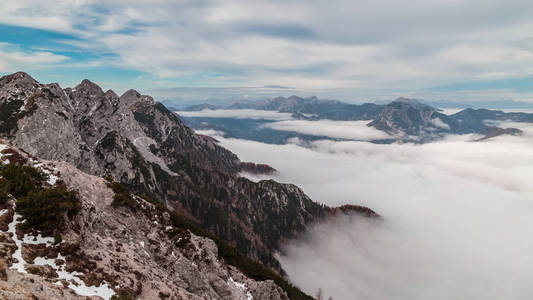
<point>108,250</point>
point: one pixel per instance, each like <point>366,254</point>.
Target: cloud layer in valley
<point>456,217</point>
<point>351,130</point>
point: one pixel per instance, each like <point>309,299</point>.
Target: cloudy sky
<point>461,50</point>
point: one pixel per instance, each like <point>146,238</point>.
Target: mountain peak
<point>294,97</point>
<point>89,87</point>
<point>87,82</point>
<point>17,78</point>
<point>413,103</point>
<point>407,101</point>
<point>131,94</point>
<point>111,94</point>
<point>20,74</point>
<point>404,99</point>
<point>410,117</point>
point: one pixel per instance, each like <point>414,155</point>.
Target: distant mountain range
<point>503,104</point>
<point>181,104</point>
<point>312,106</point>
<point>406,120</point>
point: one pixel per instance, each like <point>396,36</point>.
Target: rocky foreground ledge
<point>133,250</point>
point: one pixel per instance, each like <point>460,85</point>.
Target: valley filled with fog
<point>456,214</point>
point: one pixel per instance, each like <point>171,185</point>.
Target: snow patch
<point>241,286</point>
<point>12,227</point>
<point>2,148</point>
<point>52,179</point>
<point>143,145</point>
<point>35,240</point>
<point>80,287</point>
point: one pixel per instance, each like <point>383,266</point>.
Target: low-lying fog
<point>457,217</point>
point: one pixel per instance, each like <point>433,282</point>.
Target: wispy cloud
<point>13,58</point>
<point>352,49</point>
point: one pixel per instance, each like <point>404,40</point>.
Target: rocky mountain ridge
<point>135,251</point>
<point>407,116</point>
<point>494,131</point>
<point>138,142</point>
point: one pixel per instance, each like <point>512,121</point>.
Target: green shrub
<point>3,197</point>
<point>57,238</point>
<point>20,180</point>
<point>122,196</point>
<point>44,209</point>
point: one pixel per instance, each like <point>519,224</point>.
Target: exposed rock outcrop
<point>254,168</point>
<point>137,252</point>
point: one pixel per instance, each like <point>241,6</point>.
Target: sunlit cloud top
<point>351,50</point>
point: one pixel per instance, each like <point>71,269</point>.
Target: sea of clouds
<point>350,130</point>
<point>457,216</point>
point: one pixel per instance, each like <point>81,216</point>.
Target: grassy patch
<point>122,196</point>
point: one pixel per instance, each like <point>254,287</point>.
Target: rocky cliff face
<point>141,144</point>
<point>257,168</point>
<point>73,124</point>
<point>137,251</point>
